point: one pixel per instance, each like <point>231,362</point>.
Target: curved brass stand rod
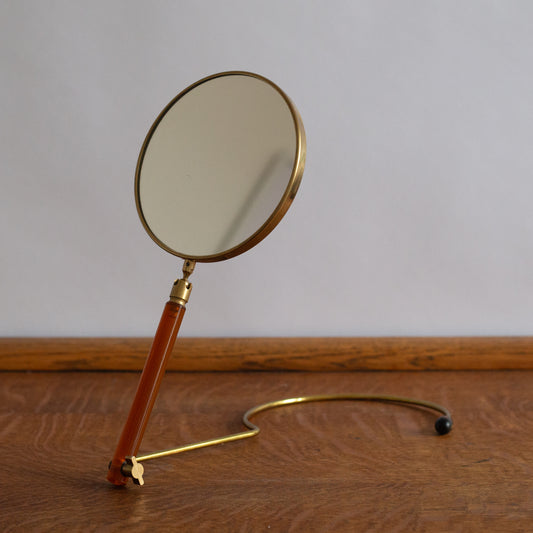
<point>254,430</point>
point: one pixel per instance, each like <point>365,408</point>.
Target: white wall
<point>414,216</point>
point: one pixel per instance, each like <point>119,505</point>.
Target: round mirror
<point>220,166</point>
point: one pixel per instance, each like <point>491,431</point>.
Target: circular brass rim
<point>279,210</point>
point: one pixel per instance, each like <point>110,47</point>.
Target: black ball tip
<point>443,425</point>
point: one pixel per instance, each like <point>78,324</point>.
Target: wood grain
<point>273,354</point>
<point>325,467</point>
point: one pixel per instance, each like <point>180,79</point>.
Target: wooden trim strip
<point>270,354</point>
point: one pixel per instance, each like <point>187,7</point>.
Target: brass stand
<point>132,467</point>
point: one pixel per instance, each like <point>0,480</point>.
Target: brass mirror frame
<point>280,209</point>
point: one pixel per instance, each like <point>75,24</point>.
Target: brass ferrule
<point>180,291</point>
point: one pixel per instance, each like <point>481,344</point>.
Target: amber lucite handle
<point>147,390</point>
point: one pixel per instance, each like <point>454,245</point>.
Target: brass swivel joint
<point>182,287</point>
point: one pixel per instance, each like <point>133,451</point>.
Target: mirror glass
<point>220,166</point>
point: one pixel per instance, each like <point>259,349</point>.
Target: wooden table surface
<point>335,466</point>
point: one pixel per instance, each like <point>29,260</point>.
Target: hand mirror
<point>217,171</point>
